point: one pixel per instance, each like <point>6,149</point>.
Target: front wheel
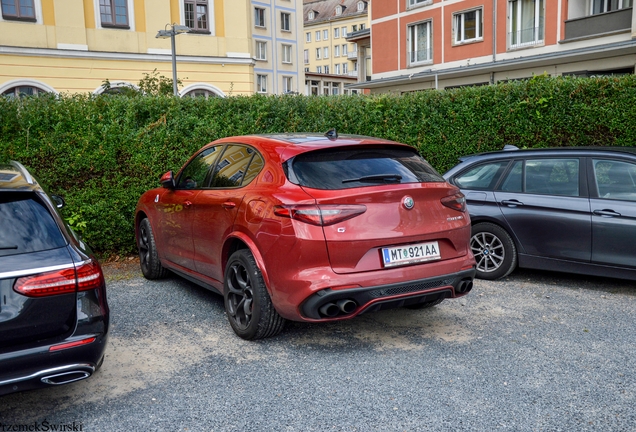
<point>247,303</point>
<point>494,250</point>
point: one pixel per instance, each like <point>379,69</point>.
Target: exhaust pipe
<point>65,377</point>
<point>329,310</point>
<point>347,306</point>
<point>465,286</point>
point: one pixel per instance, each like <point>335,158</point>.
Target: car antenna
<point>332,134</point>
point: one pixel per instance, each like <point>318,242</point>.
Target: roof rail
<point>24,172</point>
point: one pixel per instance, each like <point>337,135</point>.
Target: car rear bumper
<point>331,304</point>
<point>41,367</point>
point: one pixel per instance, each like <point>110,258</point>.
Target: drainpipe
<point>494,38</point>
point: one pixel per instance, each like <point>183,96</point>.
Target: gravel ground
<point>536,351</point>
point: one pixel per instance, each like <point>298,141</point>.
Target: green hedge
<point>102,152</point>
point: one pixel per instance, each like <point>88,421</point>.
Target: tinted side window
<point>195,174</point>
<point>27,225</point>
<point>615,179</point>
<point>253,169</point>
<point>231,168</point>
<point>553,177</point>
<point>514,179</point>
<point>361,166</point>
<point>482,176</point>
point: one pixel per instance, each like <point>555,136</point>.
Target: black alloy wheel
<point>247,302</point>
<point>148,258</point>
<point>494,250</point>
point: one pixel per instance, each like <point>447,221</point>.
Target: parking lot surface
<point>535,351</point>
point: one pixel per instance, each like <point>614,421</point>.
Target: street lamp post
<point>175,29</point>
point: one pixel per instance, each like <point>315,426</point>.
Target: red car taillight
<point>320,215</point>
<point>455,202</point>
<point>83,278</point>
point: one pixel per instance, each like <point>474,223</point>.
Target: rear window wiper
<point>8,247</point>
<point>381,178</point>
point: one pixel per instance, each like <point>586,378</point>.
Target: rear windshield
<point>26,225</point>
<point>360,166</point>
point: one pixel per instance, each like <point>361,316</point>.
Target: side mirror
<point>58,200</point>
<point>167,180</point>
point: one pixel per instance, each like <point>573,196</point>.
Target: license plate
<point>410,254</point>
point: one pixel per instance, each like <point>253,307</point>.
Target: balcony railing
<point>352,55</point>
<point>353,73</point>
<point>599,25</point>
<point>419,56</point>
<point>526,37</point>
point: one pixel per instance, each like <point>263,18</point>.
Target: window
<point>287,84</point>
<point>23,10</point>
<point>335,88</point>
<point>311,15</point>
<point>240,165</point>
<point>318,51</point>
<point>319,69</point>
<point>196,15</point>
<point>113,13</point>
<point>343,32</point>
<point>354,28</point>
<point>259,17</point>
<point>22,91</point>
<point>261,83</point>
<point>337,69</point>
<point>306,56</point>
<point>196,174</point>
<point>261,50</point>
<point>344,68</point>
<point>362,27</point>
<point>325,88</point>
<point>325,51</point>
<point>468,26</point>
<point>360,6</point>
<point>318,36</point>
<point>482,177</point>
<point>327,69</point>
<point>325,35</point>
<point>287,53</point>
<point>526,22</point>
<point>336,33</point>
<point>615,180</point>
<point>602,6</point>
<point>204,93</point>
<point>284,21</point>
<point>544,176</point>
<point>344,50</point>
<point>339,9</point>
<point>418,2</point>
<point>308,37</point>
<point>336,51</point>
<point>306,69</point>
<point>419,43</point>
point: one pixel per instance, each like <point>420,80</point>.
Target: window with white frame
<point>259,17</point>
<point>343,32</point>
<point>288,84</point>
<point>308,37</point>
<point>318,52</point>
<point>196,15</point>
<point>19,10</point>
<point>317,35</point>
<point>419,2</point>
<point>311,15</point>
<point>344,68</point>
<point>327,69</point>
<point>285,18</point>
<point>344,50</point>
<point>337,69</point>
<point>113,13</point>
<point>354,28</point>
<point>325,35</point>
<point>339,9</point>
<point>468,26</point>
<point>335,88</point>
<point>261,50</point>
<point>419,43</point>
<point>360,6</point>
<point>306,56</point>
<point>325,52</point>
<point>319,69</point>
<point>602,6</point>
<point>336,33</point>
<point>336,51</point>
<point>261,83</point>
<point>526,22</point>
<point>287,53</point>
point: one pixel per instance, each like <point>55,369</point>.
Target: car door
<point>177,211</point>
<point>545,203</point>
<point>613,207</point>
<point>217,206</point>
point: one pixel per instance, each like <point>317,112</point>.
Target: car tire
<point>425,305</point>
<point>495,251</point>
<point>247,303</point>
<point>148,258</point>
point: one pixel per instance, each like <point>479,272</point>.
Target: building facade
<point>328,49</point>
<point>73,46</point>
<point>448,43</point>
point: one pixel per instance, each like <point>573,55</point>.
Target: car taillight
<point>455,202</point>
<point>320,215</point>
<point>83,278</point>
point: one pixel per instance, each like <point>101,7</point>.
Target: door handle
<point>606,213</point>
<point>228,205</point>
<point>512,203</point>
<point>187,204</point>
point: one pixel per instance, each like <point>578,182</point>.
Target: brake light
<point>455,202</point>
<point>320,215</point>
<point>85,277</point>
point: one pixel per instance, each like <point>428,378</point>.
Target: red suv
<point>308,227</point>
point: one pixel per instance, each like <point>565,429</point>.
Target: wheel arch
<point>237,241</point>
<point>501,225</point>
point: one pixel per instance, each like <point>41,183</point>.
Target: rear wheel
<point>148,258</point>
<point>247,303</point>
<point>494,250</point>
